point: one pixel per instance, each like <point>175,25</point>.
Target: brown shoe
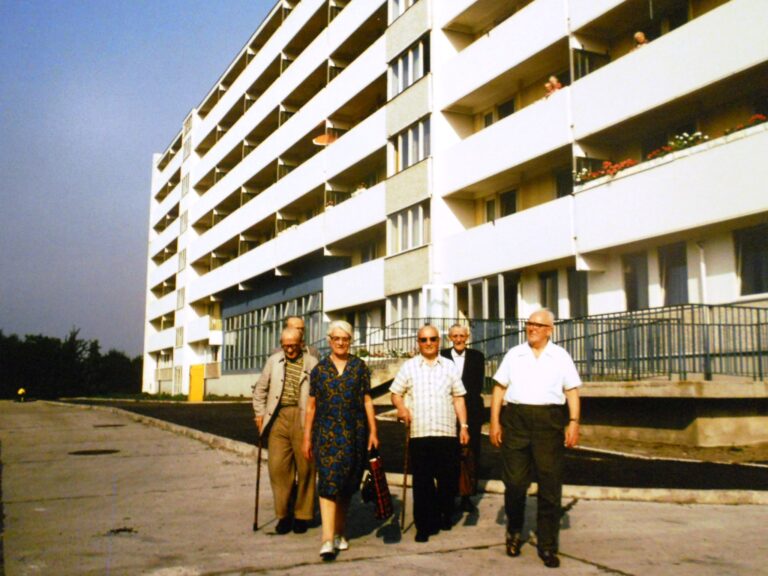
<point>549,558</point>
<point>514,543</point>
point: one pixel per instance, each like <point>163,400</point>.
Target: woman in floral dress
<point>339,430</point>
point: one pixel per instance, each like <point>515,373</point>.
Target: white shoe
<point>340,543</point>
<point>327,551</point>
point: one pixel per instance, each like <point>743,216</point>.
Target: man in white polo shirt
<point>528,417</point>
<point>429,395</point>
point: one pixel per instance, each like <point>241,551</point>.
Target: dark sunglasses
<point>428,339</point>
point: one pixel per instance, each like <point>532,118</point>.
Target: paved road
<point>96,492</point>
<point>582,467</point>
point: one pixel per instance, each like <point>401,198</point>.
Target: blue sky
<point>89,90</point>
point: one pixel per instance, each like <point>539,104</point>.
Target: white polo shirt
<point>538,381</point>
<point>428,391</point>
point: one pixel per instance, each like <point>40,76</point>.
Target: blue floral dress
<point>340,428</point>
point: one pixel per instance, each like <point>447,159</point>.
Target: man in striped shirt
<point>429,396</point>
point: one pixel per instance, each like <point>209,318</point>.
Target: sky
<point>89,90</point>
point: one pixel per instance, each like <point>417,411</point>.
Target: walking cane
<point>405,476</point>
<point>258,484</point>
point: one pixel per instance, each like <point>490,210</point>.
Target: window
<point>180,299</point>
<point>411,145</point>
<point>409,66</point>
<point>179,337</point>
<point>673,266</point>
<point>548,291</point>
<point>490,209</point>
<point>506,108</point>
<point>185,185</point>
<point>752,259</point>
<point>577,292</point>
<point>511,285</point>
<point>508,203</point>
<point>563,183</point>
<point>182,259</point>
<point>409,228</point>
<point>402,306</point>
<point>184,222</point>
<point>636,280</point>
<point>368,252</point>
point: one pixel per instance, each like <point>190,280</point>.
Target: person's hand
<point>373,441</point>
<point>404,415</point>
<point>572,434</point>
<point>306,447</point>
<point>495,434</point>
<point>464,436</point>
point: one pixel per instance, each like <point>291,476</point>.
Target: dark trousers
<point>435,468</point>
<point>532,446</point>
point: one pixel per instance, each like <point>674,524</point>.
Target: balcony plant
<point>678,142</point>
<point>754,120</point>
<point>608,169</point>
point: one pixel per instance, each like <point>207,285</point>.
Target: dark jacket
<point>473,378</point>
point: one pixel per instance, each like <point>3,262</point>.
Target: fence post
<point>759,349</point>
<point>706,342</point>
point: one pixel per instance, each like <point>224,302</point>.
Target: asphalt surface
<point>583,467</point>
<point>105,492</point>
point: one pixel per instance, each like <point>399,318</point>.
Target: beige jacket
<point>269,388</point>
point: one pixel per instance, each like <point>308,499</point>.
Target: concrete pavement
<point>93,491</point>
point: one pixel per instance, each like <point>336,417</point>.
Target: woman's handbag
<point>468,474</point>
<point>375,488</point>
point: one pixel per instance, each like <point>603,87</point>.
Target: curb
<point>658,495</point>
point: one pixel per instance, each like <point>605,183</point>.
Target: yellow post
<point>196,383</point>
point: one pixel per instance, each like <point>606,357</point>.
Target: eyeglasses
<point>339,338</point>
<point>530,324</point>
<point>290,345</point>
<point>428,339</point>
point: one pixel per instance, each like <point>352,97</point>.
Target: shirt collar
<point>439,360</point>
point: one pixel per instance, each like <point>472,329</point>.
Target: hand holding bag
<point>375,488</point>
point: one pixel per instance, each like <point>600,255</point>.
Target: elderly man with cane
<point>533,384</point>
<point>429,397</point>
<point>279,403</point>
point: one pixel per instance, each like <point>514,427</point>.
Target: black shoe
<point>284,525</point>
<point>467,505</point>
<point>549,558</point>
<point>446,523</point>
<point>514,543</point>
<point>299,526</point>
<point>422,536</point>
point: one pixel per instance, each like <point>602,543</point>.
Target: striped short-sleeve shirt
<point>428,390</point>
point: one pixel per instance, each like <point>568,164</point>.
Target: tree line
<point>47,367</point>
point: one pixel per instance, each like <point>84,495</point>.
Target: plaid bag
<point>375,488</point>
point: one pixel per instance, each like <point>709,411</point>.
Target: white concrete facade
<point>356,152</point>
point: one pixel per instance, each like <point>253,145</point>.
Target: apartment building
<point>379,160</point>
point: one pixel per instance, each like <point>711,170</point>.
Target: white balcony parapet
<point>687,59</point>
<point>164,271</point>
<point>166,173</point>
<point>354,286</point>
<point>713,182</point>
<point>160,210</point>
<point>161,306</point>
<point>582,12</point>
<point>160,340</point>
<point>532,132</point>
<point>361,141</point>
<point>510,243</point>
<point>479,63</point>
<point>354,215</point>
<point>164,238</point>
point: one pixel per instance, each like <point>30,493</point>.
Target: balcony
<point>465,80</point>
<point>354,286</point>
<point>205,329</point>
<point>352,216</point>
<point>585,11</point>
<point>162,340</point>
<point>508,243</point>
<point>352,80</point>
<point>161,306</point>
<point>713,182</point>
<point>354,146</point>
<point>689,59</point>
<point>162,209</point>
<point>161,178</point>
<point>164,271</point>
<point>522,137</point>
<point>164,238</point>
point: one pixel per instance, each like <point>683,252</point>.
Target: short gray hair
<point>342,325</point>
<point>461,327</point>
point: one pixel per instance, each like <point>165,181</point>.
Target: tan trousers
<point>287,464</point>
